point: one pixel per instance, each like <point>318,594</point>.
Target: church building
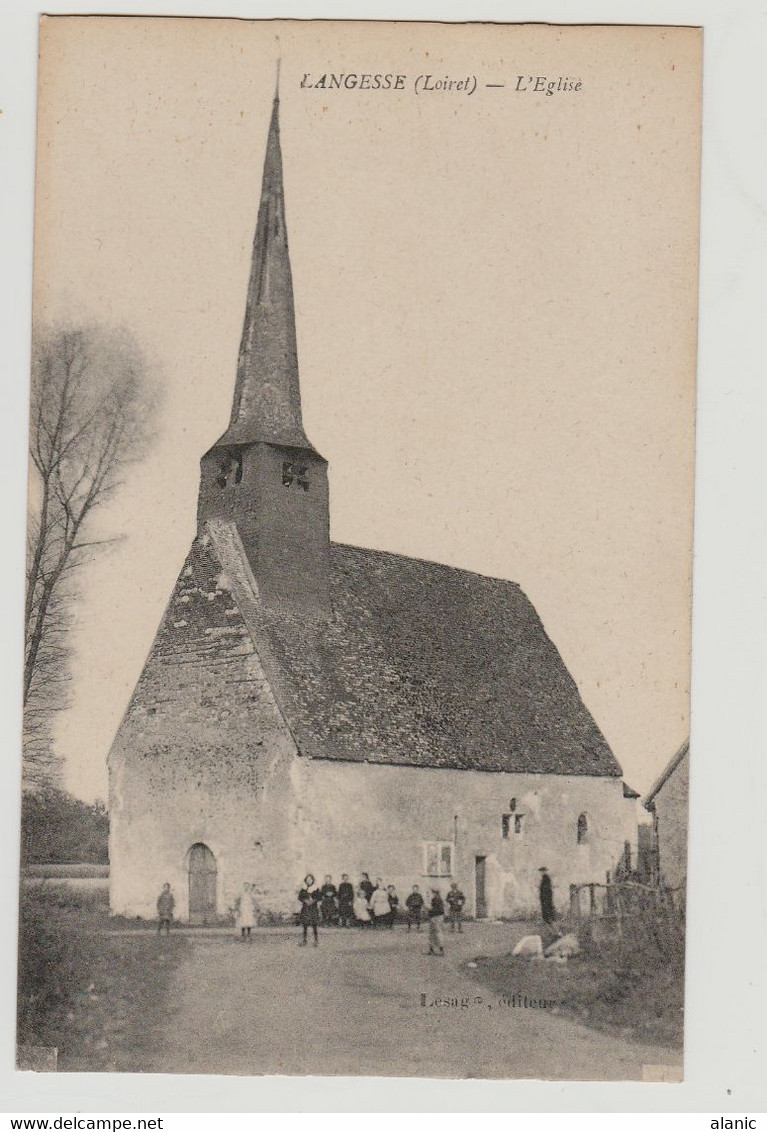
<point>312,706</point>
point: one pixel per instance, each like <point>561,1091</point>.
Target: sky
<point>496,299</point>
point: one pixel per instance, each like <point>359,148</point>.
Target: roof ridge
<point>426,562</point>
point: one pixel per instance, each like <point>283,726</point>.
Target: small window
<point>230,469</point>
<point>222,477</point>
<point>513,804</point>
<point>518,825</point>
<point>438,859</point>
<point>295,474</point>
<point>582,831</point>
<point>505,825</point>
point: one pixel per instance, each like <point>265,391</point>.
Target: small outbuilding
<point>668,802</point>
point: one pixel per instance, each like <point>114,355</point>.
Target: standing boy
<point>393,904</point>
<point>346,902</point>
<point>414,905</point>
<point>455,902</point>
<point>165,905</point>
<point>328,908</point>
<point>436,913</point>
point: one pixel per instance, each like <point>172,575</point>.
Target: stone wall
<point>202,755</point>
<point>354,817</point>
<point>282,519</point>
<point>671,805</point>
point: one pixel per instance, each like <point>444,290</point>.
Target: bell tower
<point>263,474</point>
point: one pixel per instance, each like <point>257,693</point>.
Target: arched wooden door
<point>202,885</point>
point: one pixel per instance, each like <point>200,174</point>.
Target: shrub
<point>67,872</point>
<point>55,936</point>
<point>57,828</point>
<point>46,964</point>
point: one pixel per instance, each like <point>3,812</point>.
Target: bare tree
<point>91,412</point>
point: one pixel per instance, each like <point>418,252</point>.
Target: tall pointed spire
<point>267,397</point>
<point>263,480</point>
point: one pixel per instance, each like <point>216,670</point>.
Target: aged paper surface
<point>493,237</point>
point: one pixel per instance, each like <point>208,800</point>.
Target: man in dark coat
<point>367,886</point>
<point>547,896</point>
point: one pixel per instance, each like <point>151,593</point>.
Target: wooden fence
<point>626,910</point>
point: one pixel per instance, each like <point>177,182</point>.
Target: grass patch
<point>620,987</point>
<point>97,997</point>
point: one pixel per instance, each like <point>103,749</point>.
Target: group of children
<point>369,905</point>
<point>375,905</point>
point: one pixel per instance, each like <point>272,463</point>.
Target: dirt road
<point>354,1005</point>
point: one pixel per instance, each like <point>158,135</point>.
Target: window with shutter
<point>438,858</point>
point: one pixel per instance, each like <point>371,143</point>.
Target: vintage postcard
<point>360,544</point>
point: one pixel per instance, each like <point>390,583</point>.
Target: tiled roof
<point>421,665</point>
